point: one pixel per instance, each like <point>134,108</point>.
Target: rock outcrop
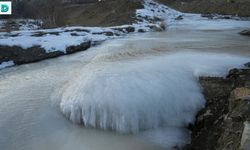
<point>36,53</point>
<point>219,126</point>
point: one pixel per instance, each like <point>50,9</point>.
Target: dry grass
<point>107,13</point>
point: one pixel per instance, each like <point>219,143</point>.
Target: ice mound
<point>147,93</point>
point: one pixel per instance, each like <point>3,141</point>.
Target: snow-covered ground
<point>196,22</point>
<point>146,81</point>
<point>150,18</point>
<point>154,11</point>
<point>65,37</point>
<point>53,39</point>
<point>6,64</point>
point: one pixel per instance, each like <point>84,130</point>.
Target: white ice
<point>141,94</point>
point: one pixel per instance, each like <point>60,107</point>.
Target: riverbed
<point>139,92</point>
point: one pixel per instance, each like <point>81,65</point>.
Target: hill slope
<point>226,7</point>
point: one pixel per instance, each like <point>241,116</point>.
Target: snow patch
<point>154,12</point>
<point>152,15</point>
<point>53,39</point>
<point>6,64</point>
<point>196,22</point>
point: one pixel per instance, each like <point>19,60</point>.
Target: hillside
<point>59,13</point>
<point>81,12</point>
<point>107,13</point>
<point>226,7</point>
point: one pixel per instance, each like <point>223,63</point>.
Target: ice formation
<point>140,94</point>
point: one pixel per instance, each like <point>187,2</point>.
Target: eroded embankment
<point>220,125</point>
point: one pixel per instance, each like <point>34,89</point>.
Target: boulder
<point>107,33</point>
<point>158,28</point>
<point>245,32</point>
<point>180,17</point>
<point>130,29</point>
<point>21,56</point>
<point>38,34</point>
<point>76,48</point>
<point>76,30</point>
<point>141,30</point>
<point>209,16</point>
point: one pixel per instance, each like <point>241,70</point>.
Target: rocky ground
<point>219,126</point>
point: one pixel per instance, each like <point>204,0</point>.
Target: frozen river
<point>143,86</point>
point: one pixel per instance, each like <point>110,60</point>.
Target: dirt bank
<point>225,7</point>
<point>220,125</point>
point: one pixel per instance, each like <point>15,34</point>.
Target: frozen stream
<point>144,85</point>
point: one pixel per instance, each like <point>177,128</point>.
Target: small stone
<point>141,30</point>
<point>74,34</point>
<point>130,29</point>
<point>39,34</point>
<point>109,33</point>
<point>54,33</point>
<point>180,17</point>
<point>247,64</point>
<point>81,47</point>
<point>209,16</point>
<point>245,32</point>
